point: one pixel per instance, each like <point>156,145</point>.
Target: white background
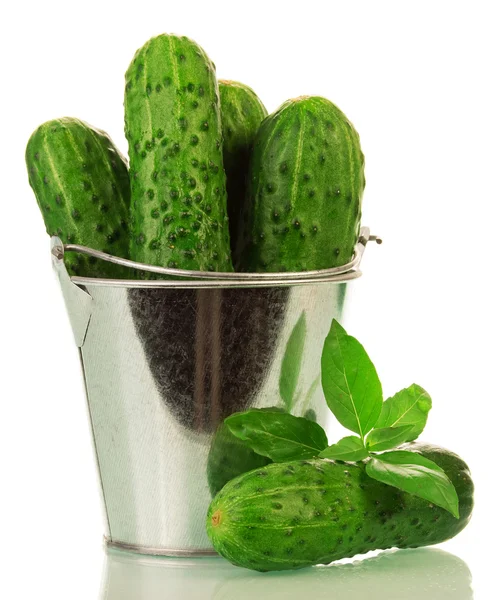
<point>414,78</point>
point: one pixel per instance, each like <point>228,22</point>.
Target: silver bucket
<point>165,361</point>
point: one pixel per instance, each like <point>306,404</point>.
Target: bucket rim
<point>206,279</point>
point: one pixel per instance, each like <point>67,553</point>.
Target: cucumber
<point>292,515</point>
<point>241,115</point>
<point>305,189</point>
<point>82,186</point>
<point>173,128</point>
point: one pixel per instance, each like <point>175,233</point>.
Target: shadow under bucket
<point>166,361</point>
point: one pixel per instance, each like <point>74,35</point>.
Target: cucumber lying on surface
<point>242,112</point>
<point>82,187</point>
<point>292,515</point>
<point>306,182</point>
<point>173,128</point>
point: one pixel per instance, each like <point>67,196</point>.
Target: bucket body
<point>164,363</point>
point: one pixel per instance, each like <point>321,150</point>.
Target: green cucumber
<point>81,183</point>
<point>306,183</point>
<point>173,128</point>
<point>292,515</point>
<point>241,115</point>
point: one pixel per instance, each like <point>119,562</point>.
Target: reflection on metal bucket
<point>164,363</point>
<point>208,350</point>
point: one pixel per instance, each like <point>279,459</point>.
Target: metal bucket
<point>165,361</point>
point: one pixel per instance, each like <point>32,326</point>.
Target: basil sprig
<point>353,393</point>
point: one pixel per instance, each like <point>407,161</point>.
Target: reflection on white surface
<point>423,574</point>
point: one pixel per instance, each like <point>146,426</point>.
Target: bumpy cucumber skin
<point>306,182</point>
<point>173,128</point>
<point>82,186</point>
<point>292,515</point>
<point>242,112</point>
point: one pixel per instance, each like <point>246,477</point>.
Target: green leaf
<point>387,437</point>
<point>291,362</point>
<point>415,474</point>
<point>410,406</point>
<point>350,448</point>
<point>350,382</point>
<point>280,436</point>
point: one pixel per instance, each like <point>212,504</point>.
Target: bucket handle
<point>334,274</point>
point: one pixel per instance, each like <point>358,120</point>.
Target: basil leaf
<point>350,448</point>
<point>291,362</point>
<point>410,406</point>
<point>279,436</point>
<point>387,437</point>
<point>350,382</point>
<point>416,475</point>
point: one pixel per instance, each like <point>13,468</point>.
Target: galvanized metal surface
<point>165,363</point>
<point>147,551</point>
